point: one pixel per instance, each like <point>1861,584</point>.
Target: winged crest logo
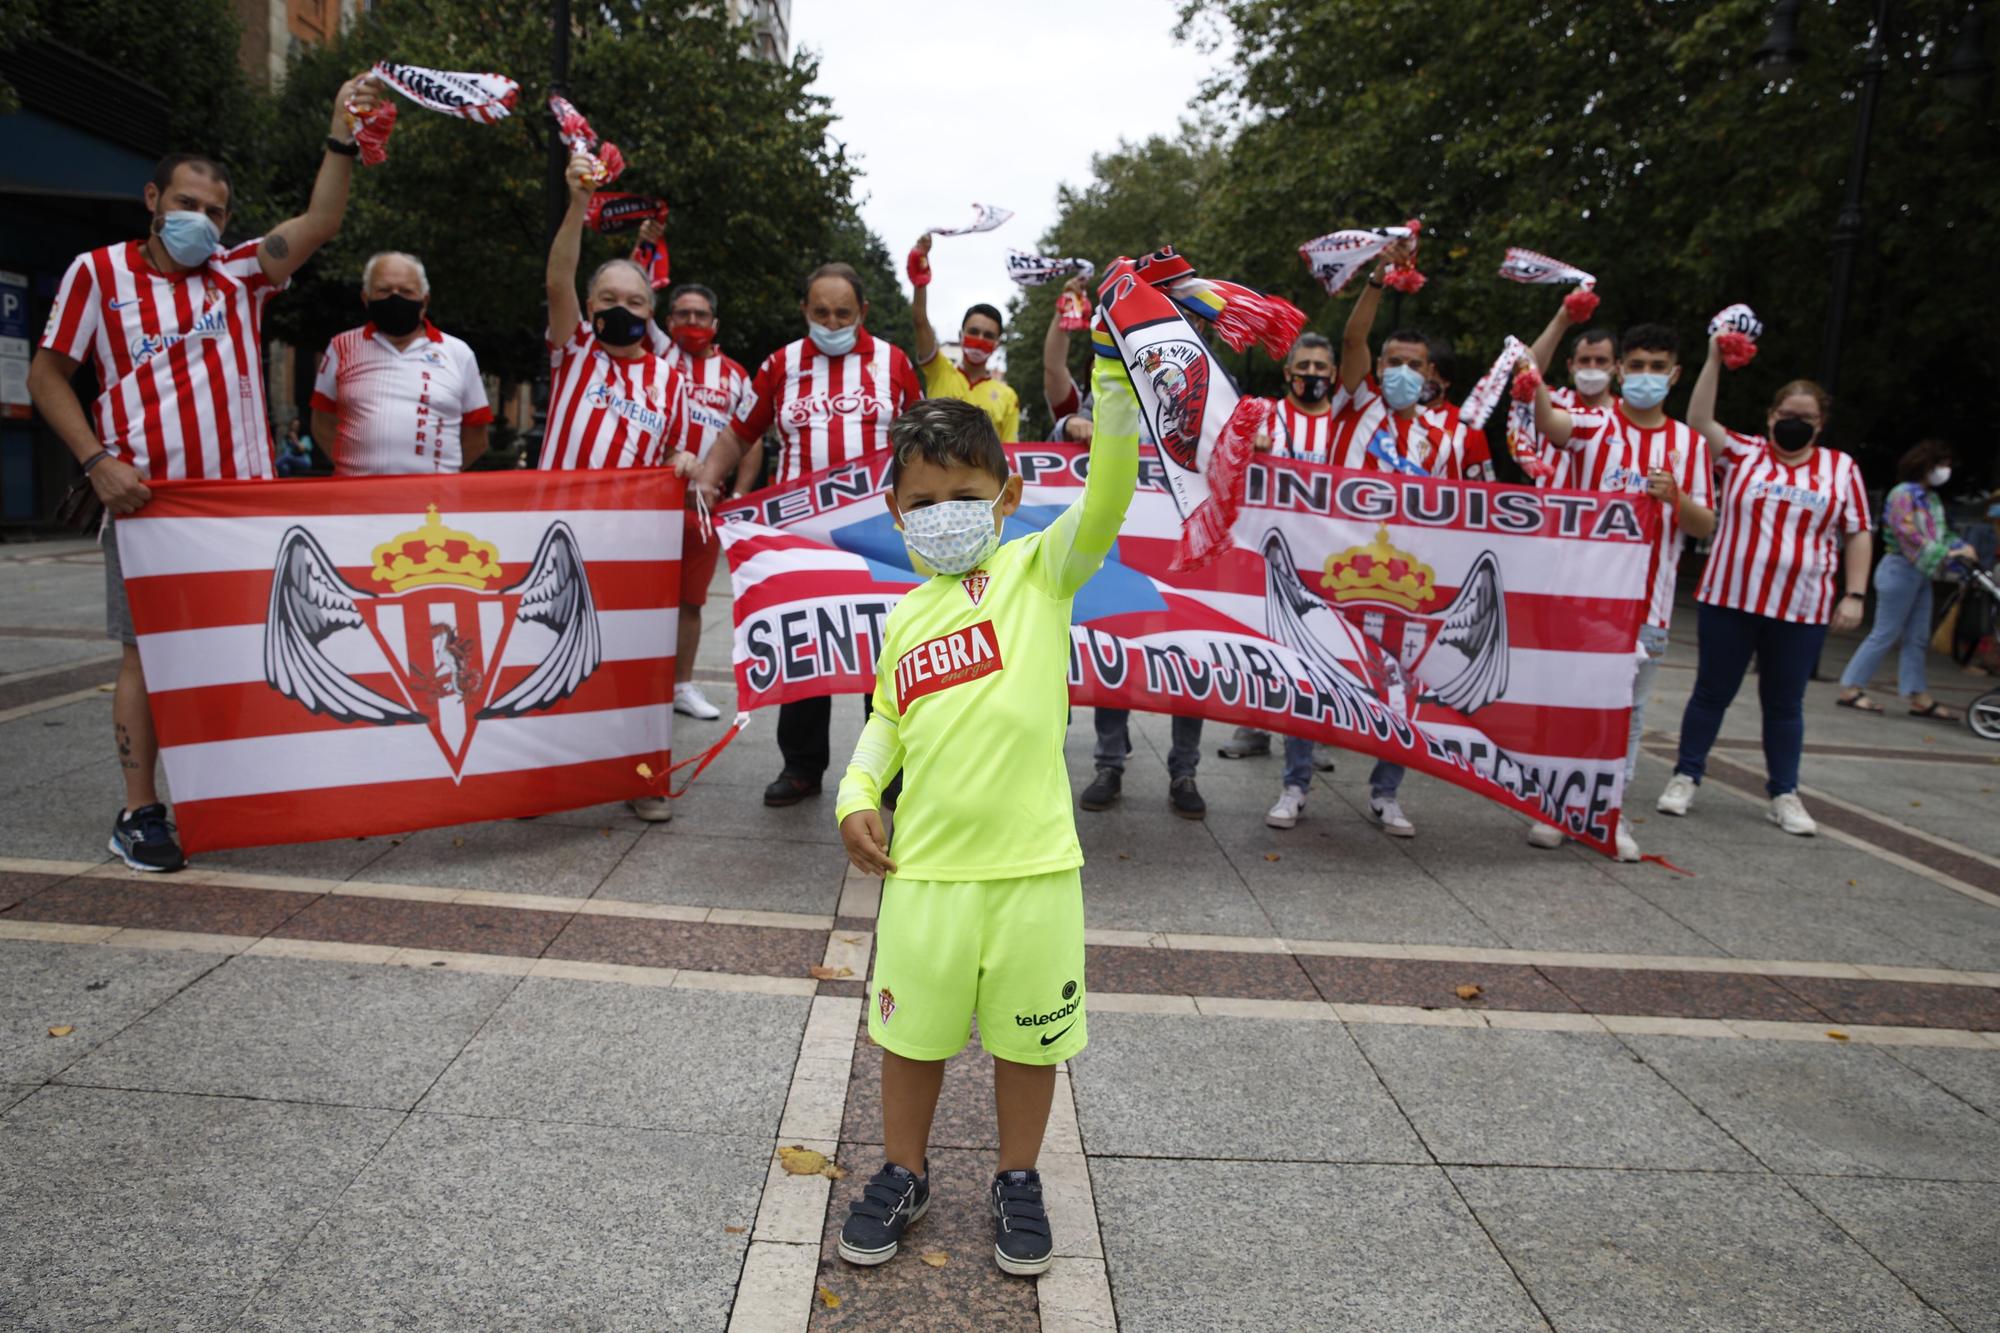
<point>1179,374</point>
<point>439,629</point>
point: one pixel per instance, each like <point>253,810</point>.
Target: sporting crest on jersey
<point>439,628</point>
<point>1178,371</point>
<point>975,584</point>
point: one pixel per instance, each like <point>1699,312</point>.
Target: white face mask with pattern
<point>953,536</point>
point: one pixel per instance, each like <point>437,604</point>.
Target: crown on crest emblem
<point>435,554</point>
<point>1379,572</point>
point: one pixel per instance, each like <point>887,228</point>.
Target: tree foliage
<point>738,147</point>
<point>1633,138</point>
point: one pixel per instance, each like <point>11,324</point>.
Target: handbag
<point>80,510</point>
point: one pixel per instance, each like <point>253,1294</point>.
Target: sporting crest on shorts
<point>887,1002</point>
<point>428,645</point>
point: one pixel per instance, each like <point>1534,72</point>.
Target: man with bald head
<point>398,395</point>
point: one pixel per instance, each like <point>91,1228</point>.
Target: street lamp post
<point>556,190</point>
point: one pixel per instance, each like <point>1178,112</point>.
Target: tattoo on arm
<point>277,246</point>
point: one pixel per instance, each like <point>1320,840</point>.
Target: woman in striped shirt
<point>1789,514</point>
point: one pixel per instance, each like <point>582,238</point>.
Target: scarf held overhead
<point>606,162</point>
<point>481,97</point>
<point>985,217</point>
<point>1034,270</point>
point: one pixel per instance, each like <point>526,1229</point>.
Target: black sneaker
<point>1185,798</point>
<point>890,1204</point>
<point>1022,1244</point>
<point>790,788</point>
<point>1247,743</point>
<point>144,838</point>
<point>1106,787</point>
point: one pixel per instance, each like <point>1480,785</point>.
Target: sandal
<point>1937,712</point>
<point>1859,702</point>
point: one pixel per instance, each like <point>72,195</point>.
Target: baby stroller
<point>1983,714</point>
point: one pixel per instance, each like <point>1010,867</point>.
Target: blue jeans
<point>1298,763</point>
<point>1384,780</point>
<point>1114,742</point>
<point>1653,640</point>
<point>1785,655</point>
<point>1902,614</point>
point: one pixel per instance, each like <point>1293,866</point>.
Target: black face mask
<point>618,327</point>
<point>1432,392</point>
<point>396,315</point>
<point>1792,434</point>
<point>1313,388</point>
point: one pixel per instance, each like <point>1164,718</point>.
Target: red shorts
<point>697,561</point>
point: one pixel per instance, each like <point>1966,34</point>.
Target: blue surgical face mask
<point>189,237</point>
<point>1402,386</point>
<point>834,342</point>
<point>953,536</point>
<point>1646,392</point>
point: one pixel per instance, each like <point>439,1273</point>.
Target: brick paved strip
<point>1258,976</point>
<point>23,693</point>
<point>1433,985</point>
<point>752,950</point>
<point>166,904</point>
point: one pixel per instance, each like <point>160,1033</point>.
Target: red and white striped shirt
<point>401,410</point>
<point>1427,438</point>
<point>718,391</point>
<point>1779,530</point>
<point>1611,452</point>
<point>1306,436</point>
<point>607,411</point>
<point>179,356</point>
<point>828,409</point>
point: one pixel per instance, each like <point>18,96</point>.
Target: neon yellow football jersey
<point>972,686</point>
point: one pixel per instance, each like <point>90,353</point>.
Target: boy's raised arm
<point>1077,542</point>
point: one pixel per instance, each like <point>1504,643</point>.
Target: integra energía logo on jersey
<point>647,416</point>
<point>950,659</point>
<point>214,320</point>
<point>429,646</point>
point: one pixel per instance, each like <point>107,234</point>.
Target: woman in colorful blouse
<point>1920,546</point>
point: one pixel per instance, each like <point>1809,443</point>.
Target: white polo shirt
<point>401,410</point>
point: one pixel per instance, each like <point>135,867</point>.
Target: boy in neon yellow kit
<point>982,907</point>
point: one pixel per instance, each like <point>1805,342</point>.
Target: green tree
<point>1636,140</point>
<point>739,148</point>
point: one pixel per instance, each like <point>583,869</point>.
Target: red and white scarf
<point>481,97</point>
<point>607,163</point>
<point>1034,270</point>
<point>985,217</point>
<point>1736,330</point>
<point>1337,256</point>
<point>613,211</point>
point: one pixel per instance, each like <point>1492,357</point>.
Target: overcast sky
<point>949,103</point>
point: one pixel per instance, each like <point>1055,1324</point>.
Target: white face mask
<point>953,536</point>
<point>1939,475</point>
<point>1591,383</point>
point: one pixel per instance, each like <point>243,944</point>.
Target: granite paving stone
<point>1278,1245</point>
<point>967,1291</point>
<point>507,856</point>
<point>1616,1250</point>
<point>1829,1108</point>
<point>1401,905</point>
<point>753,874</point>
<point>298,1030</point>
<point>965,1115</point>
<point>1517,1098</point>
<point>1971,1076</point>
<point>1899,1003</point>
<point>150,1210</point>
<point>333,858</point>
<point>1936,1236</point>
<point>406,924</point>
<point>1780,922</point>
<point>640,1057</point>
<point>487,1224</point>
<point>1581,910</point>
<point>17,885</point>
<point>94,990</point>
<point>1152,1085</point>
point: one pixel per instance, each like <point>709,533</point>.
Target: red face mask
<point>976,348</point>
<point>694,339</point>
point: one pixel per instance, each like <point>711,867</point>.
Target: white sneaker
<point>689,699</point>
<point>1678,796</point>
<point>1545,836</point>
<point>653,809</point>
<point>1389,814</point>
<point>1788,812</point>
<point>1285,814</point>
<point>1628,847</point>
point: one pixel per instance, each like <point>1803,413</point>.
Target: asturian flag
<point>1482,634</point>
<point>340,658</point>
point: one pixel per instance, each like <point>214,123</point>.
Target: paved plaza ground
<point>532,1075</point>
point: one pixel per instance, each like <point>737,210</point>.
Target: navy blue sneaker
<point>1022,1244</point>
<point>144,839</point>
<point>890,1204</point>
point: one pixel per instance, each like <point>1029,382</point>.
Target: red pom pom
<point>371,132</point>
<point>918,265</point>
<point>1526,380</point>
<point>1404,279</point>
<point>1415,226</point>
<point>1736,348</point>
<point>1580,305</point>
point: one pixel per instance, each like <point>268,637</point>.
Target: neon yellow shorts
<point>1007,950</point>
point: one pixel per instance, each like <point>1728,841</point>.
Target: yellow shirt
<point>944,380</point>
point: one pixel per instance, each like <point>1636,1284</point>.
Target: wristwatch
<point>1857,596</point>
<point>334,145</point>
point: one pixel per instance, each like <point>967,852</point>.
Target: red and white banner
<point>348,657</point>
<point>1482,634</point>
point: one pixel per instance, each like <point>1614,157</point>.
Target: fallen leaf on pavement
<point>850,939</point>
<point>1270,856</point>
<point>62,1031</point>
<point>604,833</point>
<point>799,1160</point>
<point>458,842</point>
<point>1915,804</point>
<point>1850,883</point>
<point>1470,992</point>
<point>828,1299</point>
<point>735,1231</point>
<point>106,689</point>
<point>1123,857</point>
<point>935,1258</point>
<point>833,1172</point>
<point>821,972</point>
<point>1838,1035</point>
